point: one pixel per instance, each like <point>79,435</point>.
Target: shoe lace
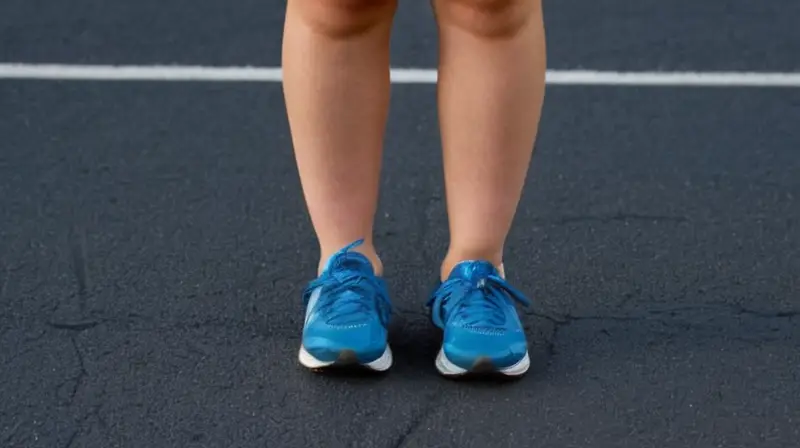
<point>348,294</point>
<point>477,303</point>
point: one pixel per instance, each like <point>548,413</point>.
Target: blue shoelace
<point>478,304</point>
<point>349,295</point>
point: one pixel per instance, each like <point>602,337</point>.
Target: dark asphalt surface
<point>154,244</point>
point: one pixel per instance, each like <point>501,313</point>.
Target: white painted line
<point>399,75</point>
<point>138,72</point>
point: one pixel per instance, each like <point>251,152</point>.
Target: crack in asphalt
<point>657,314</point>
<point>433,403</point>
<point>82,374</point>
<point>74,326</point>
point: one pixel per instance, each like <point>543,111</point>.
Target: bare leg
<point>491,88</point>
<point>336,85</point>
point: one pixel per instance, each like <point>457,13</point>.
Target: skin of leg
<point>336,86</point>
<point>491,89</point>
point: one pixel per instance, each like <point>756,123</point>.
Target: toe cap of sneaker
<point>325,343</point>
<point>465,346</point>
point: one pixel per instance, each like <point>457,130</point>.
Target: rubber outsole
<point>483,366</point>
<point>346,358</point>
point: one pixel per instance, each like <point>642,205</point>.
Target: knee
<point>487,18</point>
<point>344,18</point>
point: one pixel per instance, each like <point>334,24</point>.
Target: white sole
<point>447,368</point>
<point>382,364</point>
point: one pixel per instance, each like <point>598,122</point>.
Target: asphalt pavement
<point>154,243</point>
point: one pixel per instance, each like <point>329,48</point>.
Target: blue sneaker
<point>347,314</point>
<point>482,330</point>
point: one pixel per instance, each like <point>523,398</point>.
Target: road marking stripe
<point>399,75</point>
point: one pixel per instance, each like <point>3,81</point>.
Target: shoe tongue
<point>472,270</point>
<point>350,261</point>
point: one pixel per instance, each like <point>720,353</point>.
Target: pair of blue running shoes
<point>348,312</point>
